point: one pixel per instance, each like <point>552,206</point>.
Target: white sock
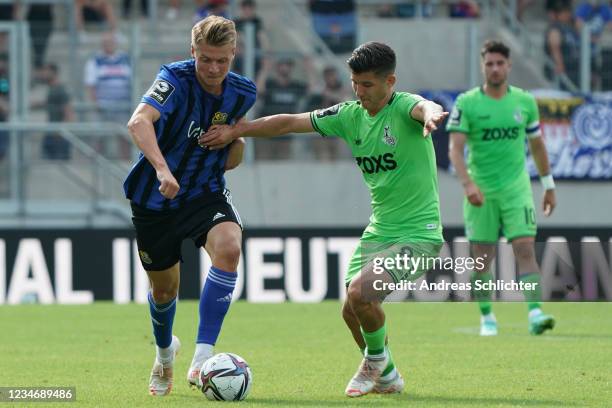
<point>489,317</point>
<point>164,355</point>
<point>202,353</point>
<point>390,376</point>
<point>535,312</point>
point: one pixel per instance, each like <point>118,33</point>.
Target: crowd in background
<point>286,83</point>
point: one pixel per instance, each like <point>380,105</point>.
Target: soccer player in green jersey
<point>494,121</point>
<point>387,134</point>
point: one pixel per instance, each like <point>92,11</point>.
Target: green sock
<point>534,296</point>
<point>375,340</point>
<point>482,296</point>
<point>390,365</point>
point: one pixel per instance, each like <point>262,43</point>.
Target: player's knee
<point>164,294</point>
<point>354,296</point>
<point>484,250</point>
<point>524,251</point>
<point>347,312</point>
<point>227,252</point>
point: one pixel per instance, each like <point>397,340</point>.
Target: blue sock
<point>162,317</point>
<point>214,303</point>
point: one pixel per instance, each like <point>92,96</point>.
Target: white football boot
<point>366,377</point>
<point>488,325</point>
<point>160,383</point>
<point>199,358</point>
<point>394,385</point>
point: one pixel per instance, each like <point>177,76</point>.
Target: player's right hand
<point>168,186</point>
<point>473,194</point>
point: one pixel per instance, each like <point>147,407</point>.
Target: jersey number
<point>529,215</point>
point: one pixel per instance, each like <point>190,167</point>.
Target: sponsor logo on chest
<point>375,164</point>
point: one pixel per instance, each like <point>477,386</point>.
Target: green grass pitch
<point>302,355</point>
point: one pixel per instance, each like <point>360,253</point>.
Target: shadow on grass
<point>394,400</point>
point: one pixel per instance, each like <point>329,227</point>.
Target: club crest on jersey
<point>388,138</point>
<point>518,116</point>
<point>219,118</point>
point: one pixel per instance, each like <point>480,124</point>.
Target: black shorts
<point>160,234</point>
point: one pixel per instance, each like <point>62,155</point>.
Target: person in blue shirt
<point>177,188</point>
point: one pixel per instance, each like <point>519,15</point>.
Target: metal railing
<point>91,183</point>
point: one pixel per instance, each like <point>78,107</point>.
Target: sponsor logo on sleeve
<point>332,110</point>
<point>160,91</point>
<point>455,118</point>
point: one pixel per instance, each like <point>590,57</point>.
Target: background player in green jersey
<point>494,120</point>
<point>386,132</point>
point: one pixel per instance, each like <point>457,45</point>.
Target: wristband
<point>548,183</point>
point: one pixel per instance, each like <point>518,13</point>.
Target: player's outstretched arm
<point>269,126</point>
<point>540,157</point>
<point>430,113</point>
<point>142,132</point>
<point>455,154</point>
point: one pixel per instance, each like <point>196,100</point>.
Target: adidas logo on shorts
<point>218,215</point>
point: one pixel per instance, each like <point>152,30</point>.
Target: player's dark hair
<point>492,46</point>
<point>372,57</point>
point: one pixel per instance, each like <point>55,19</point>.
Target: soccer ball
<point>225,377</point>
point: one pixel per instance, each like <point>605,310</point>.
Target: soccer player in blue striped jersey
<point>177,188</point>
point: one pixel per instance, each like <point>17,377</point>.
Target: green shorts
<point>514,214</point>
<point>373,250</point>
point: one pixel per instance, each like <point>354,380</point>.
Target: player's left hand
<point>549,202</point>
<point>432,122</point>
<point>217,137</point>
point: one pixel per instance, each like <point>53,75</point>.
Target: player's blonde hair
<point>214,30</point>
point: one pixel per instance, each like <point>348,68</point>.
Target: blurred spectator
<point>409,9</point>
<point>173,9</point>
<point>108,77</point>
<point>40,17</point>
<point>59,109</point>
<point>210,7</point>
<point>248,15</point>
<point>387,10</point>
<point>94,11</point>
<point>333,92</point>
<point>562,44</point>
<point>335,21</point>
<point>4,103</point>
<point>126,8</point>
<point>464,9</point>
<point>521,7</point>
<point>279,93</point>
<point>597,16</point>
